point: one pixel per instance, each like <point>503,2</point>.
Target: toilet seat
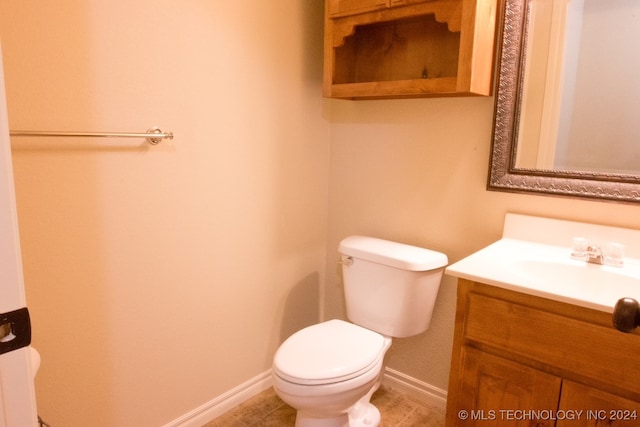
<point>329,352</point>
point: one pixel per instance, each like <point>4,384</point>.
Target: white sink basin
<point>580,273</point>
<point>546,269</point>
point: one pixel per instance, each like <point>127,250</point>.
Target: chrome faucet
<point>612,255</point>
<point>594,255</point>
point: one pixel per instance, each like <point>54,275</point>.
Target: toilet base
<point>363,414</point>
<point>305,421</point>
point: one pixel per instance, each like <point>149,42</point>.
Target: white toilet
<point>329,371</point>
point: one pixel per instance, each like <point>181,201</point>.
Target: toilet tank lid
<point>393,254</point>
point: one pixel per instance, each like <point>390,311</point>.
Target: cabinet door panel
<point>491,390</point>
<point>348,7</point>
<point>594,408</point>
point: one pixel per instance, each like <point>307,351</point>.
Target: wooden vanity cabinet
<point>408,48</point>
<point>520,360</point>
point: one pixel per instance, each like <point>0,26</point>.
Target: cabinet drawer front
<point>353,7</point>
<point>572,346</point>
<point>349,7</point>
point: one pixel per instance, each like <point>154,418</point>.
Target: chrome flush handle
<point>346,260</point>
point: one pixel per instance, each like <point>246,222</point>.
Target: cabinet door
<point>492,391</point>
<point>589,407</point>
<point>352,7</point>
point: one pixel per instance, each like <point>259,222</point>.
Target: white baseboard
<point>417,389</point>
<point>223,403</point>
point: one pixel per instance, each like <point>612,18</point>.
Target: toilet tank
<point>390,287</point>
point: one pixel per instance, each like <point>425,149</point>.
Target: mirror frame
<point>503,175</point>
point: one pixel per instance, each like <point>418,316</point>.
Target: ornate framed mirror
<point>558,71</point>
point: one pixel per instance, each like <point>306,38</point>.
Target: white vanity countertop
<point>530,259</point>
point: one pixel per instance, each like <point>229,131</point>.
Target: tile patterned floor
<point>267,410</point>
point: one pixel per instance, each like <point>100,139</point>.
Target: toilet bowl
<point>327,370</point>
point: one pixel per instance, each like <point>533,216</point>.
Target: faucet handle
<point>580,248</point>
<point>614,254</point>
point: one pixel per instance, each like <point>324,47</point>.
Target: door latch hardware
<point>15,330</point>
<point>6,332</point>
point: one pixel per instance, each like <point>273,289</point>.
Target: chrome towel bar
<point>153,135</point>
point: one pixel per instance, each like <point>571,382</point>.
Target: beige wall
<point>159,278</point>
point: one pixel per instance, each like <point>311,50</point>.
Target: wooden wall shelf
<point>409,48</point>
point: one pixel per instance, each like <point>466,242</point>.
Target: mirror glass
<point>567,115</point>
